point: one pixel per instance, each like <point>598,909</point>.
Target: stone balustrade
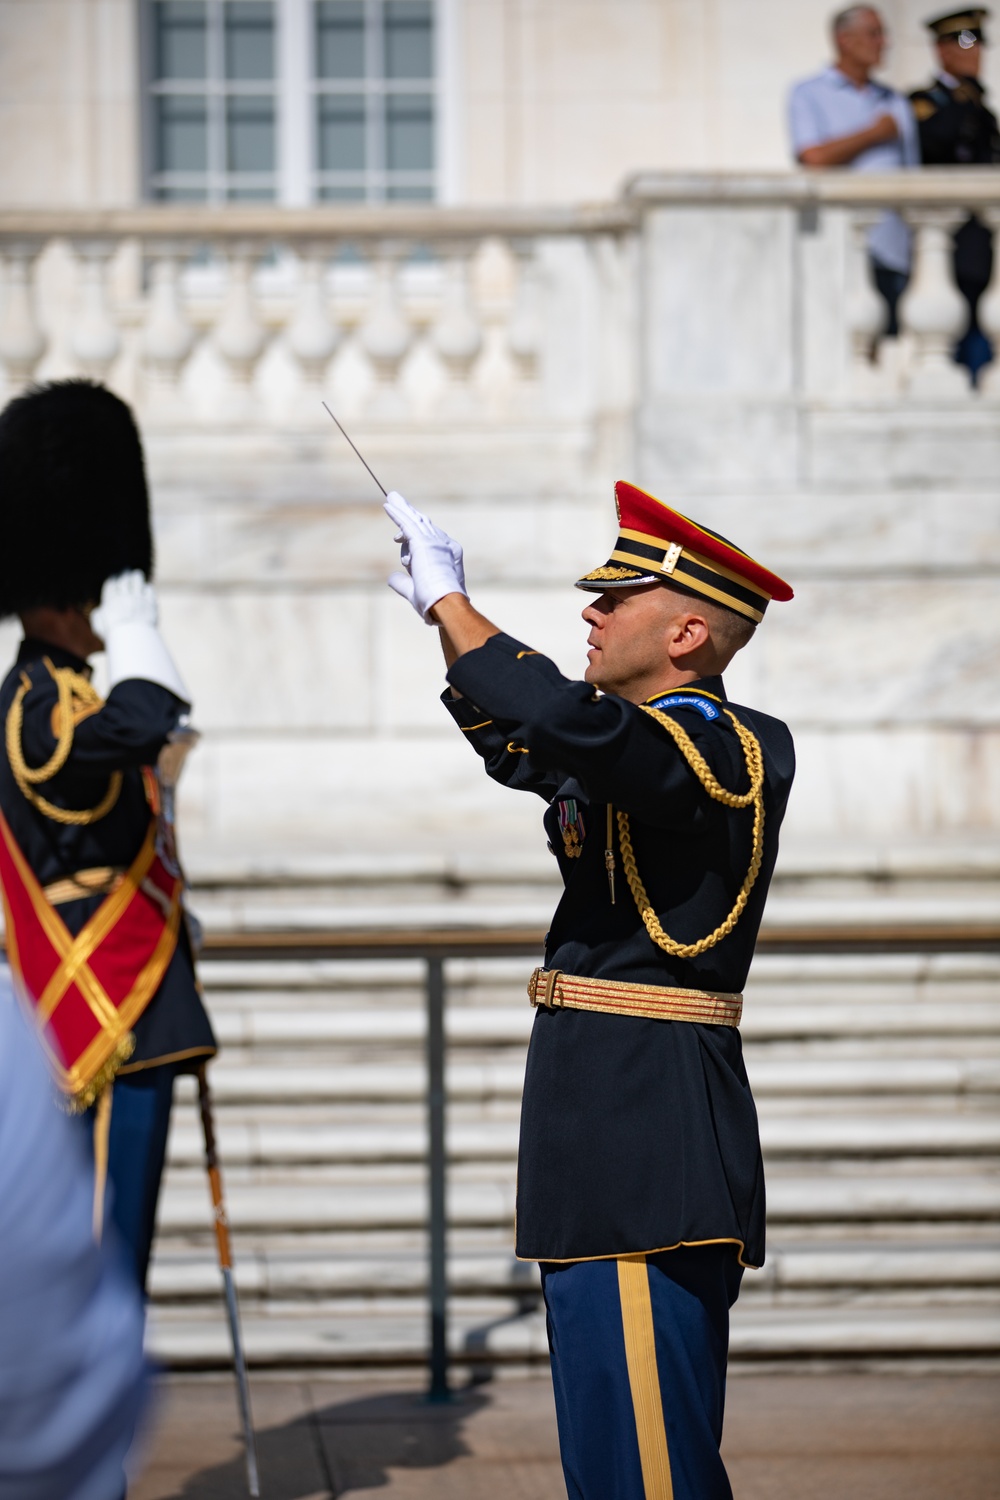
<point>409,314</point>
<point>252,314</point>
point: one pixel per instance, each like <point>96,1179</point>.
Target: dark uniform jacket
<point>958,129</point>
<point>636,1135</point>
<point>126,734</point>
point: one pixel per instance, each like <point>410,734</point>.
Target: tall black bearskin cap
<point>74,508</point>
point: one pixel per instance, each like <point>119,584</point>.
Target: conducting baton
<point>363,460</point>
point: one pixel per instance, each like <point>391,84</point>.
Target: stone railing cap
<point>943,187</point>
<point>404,222</point>
<point>930,187</point>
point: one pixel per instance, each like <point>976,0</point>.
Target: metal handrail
<point>499,942</point>
<point>434,946</point>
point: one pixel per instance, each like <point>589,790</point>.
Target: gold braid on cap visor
<point>638,552</point>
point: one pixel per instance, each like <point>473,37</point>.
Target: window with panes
<point>220,91</point>
<point>374,75</point>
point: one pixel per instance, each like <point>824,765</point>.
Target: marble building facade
<point>616,275</point>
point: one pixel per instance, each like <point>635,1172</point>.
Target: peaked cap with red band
<point>656,543</point>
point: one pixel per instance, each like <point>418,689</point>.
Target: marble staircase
<point>877,1078</point>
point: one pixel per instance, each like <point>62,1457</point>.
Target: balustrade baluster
<point>22,342</point>
<point>313,337</point>
<point>240,335</point>
<point>989,313</point>
<point>94,339</point>
<point>457,336</point>
<point>933,309</point>
<point>523,329</point>
<point>385,337</point>
<point>167,336</point>
<point>866,312</point>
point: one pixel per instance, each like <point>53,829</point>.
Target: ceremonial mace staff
<point>226,1267</point>
<point>172,757</point>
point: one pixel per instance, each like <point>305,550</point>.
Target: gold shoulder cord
<point>73,690</point>
<point>754,797</point>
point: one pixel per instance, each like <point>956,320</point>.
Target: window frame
<point>375,88</point>
<point>297,178</point>
<point>218,181</point>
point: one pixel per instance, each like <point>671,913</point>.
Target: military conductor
<point>640,1185</point>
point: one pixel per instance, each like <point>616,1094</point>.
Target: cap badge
<point>672,557</point>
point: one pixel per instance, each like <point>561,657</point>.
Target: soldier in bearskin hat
<point>96,934</point>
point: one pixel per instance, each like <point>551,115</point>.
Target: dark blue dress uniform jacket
<point>636,1135</point>
<point>958,129</point>
<point>126,734</point>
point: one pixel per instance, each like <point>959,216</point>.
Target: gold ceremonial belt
<point>100,881</point>
<point>558,991</point>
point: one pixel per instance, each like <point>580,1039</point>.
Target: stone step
<point>236,1081</point>
<point>943,862</point>
<point>182,1274</point>
<point>350,1335</point>
<point>510,1025</point>
<point>320,1199</point>
<point>847,1330</point>
<point>869,975</point>
<point>258,1141</point>
<point>876,1077</point>
<point>820,917</point>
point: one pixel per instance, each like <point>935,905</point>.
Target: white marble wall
<point>562,99</point>
<point>553,101</point>
<point>69,102</point>
<point>882,507</point>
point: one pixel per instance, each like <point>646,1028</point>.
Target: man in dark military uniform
<point>640,1185</point>
<point>96,933</point>
<point>958,129</point>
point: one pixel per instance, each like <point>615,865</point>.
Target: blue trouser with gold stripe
<point>134,1125</point>
<point>639,1348</point>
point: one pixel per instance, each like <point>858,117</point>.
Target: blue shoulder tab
<point>705,706</point>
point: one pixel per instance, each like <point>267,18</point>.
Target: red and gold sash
<point>88,991</point>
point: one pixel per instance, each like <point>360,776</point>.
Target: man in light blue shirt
<point>843,118</point>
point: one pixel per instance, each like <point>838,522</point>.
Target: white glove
<point>432,559</point>
<point>126,621</point>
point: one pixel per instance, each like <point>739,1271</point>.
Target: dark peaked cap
<point>74,509</point>
<point>954,22</point>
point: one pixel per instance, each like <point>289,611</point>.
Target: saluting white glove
<point>126,620</point>
<point>432,559</point>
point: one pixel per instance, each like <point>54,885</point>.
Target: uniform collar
<point>951,82</point>
<point>706,687</point>
<point>31,650</point>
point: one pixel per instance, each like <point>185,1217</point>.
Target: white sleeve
<point>135,649</point>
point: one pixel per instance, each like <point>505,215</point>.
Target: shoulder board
<point>924,108</point>
<point>705,706</point>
